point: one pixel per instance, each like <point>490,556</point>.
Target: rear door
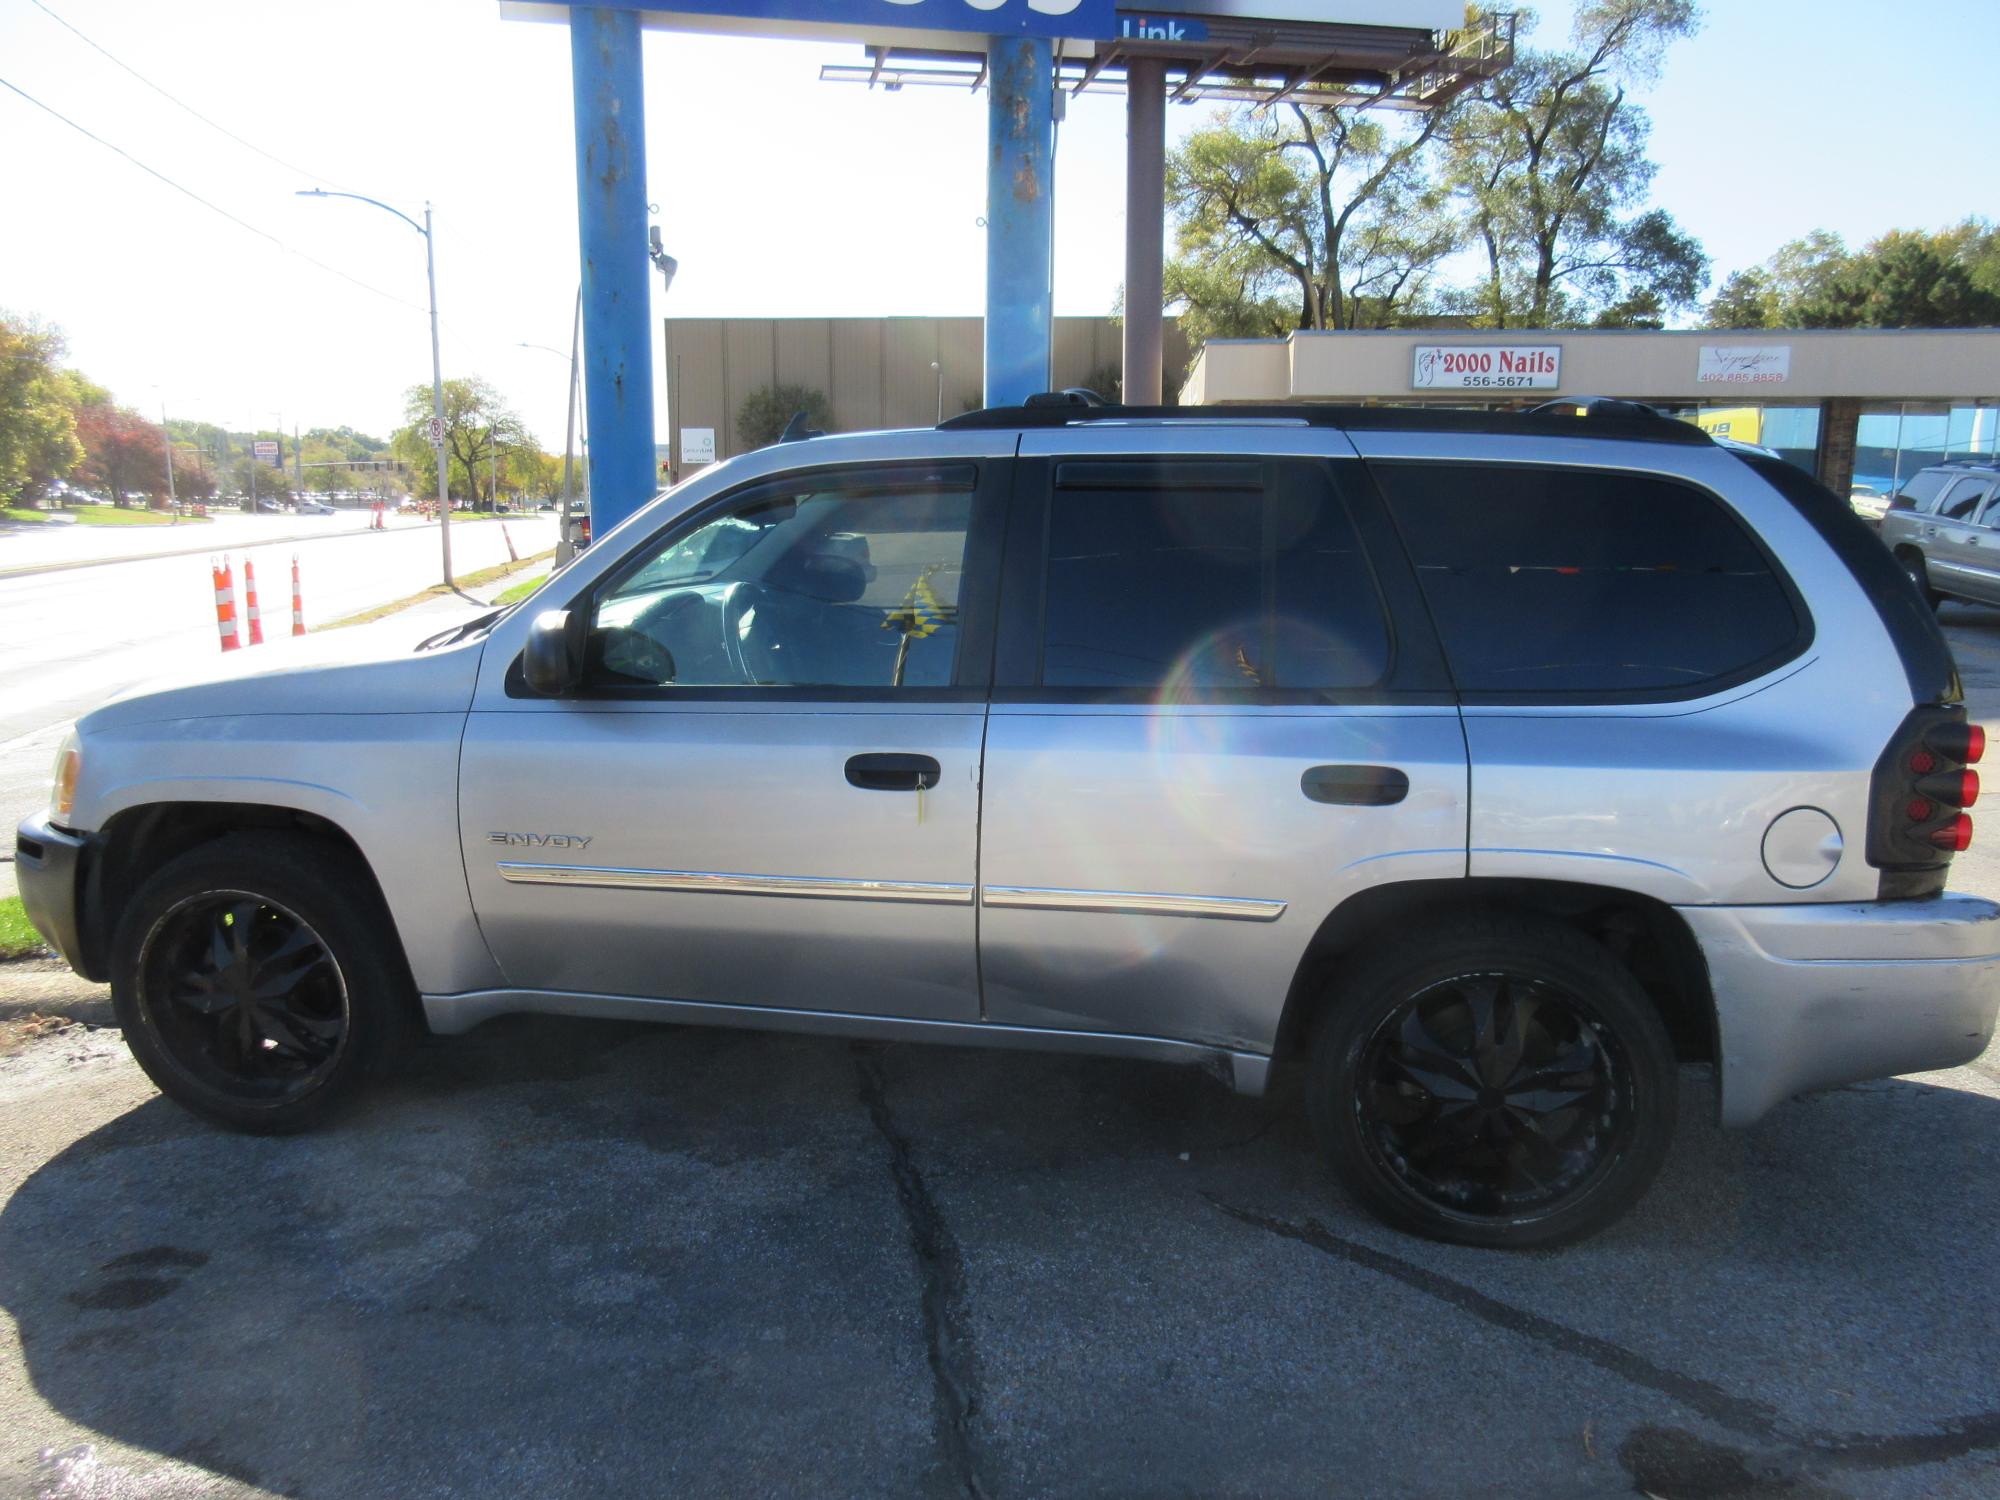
<point>1218,712</point>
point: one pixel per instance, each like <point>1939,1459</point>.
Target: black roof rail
<point>1578,416</point>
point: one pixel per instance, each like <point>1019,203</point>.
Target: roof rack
<point>1576,416</point>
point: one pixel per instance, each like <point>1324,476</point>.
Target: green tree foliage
<point>769,409</point>
<point>1904,279</point>
<point>478,426</point>
<point>1549,166</point>
<point>1306,216</point>
<point>38,441</point>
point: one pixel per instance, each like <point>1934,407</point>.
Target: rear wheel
<point>255,981</point>
<point>1494,1083</point>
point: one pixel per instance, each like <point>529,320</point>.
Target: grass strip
<point>100,515</point>
<point>437,591</point>
<point>18,938</point>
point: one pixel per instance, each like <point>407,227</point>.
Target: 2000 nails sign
<point>1084,20</point>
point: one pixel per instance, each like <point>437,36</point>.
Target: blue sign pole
<point>1020,188</point>
<point>608,80</point>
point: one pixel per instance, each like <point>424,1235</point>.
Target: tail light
<point>1923,783</point>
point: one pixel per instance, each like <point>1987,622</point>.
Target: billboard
<point>1083,20</point>
<point>267,452</point>
<point>1419,15</point>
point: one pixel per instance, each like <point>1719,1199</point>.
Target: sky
<point>779,195</point>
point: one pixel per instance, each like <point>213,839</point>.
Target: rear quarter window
<point>1590,584</point>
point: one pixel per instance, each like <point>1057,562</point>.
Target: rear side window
<point>1206,576</point>
<point>1962,499</point>
<point>1587,583</point>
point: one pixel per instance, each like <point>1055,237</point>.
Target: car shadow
<point>590,1258</point>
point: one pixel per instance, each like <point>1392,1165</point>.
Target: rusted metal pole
<point>1145,229</point>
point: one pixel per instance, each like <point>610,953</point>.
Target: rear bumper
<point>1810,996</point>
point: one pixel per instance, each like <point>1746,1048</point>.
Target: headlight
<point>62,782</point>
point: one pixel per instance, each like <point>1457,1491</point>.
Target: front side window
<point>849,581</point>
<point>1183,577</point>
<point>1587,582</point>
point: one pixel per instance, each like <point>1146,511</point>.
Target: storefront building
<point>1856,407</point>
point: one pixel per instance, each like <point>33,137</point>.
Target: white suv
<point>1481,769</point>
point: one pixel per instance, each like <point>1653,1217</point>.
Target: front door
<point>1218,712</point>
<point>768,792</point>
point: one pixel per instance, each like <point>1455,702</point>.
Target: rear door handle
<point>892,773</point>
<point>1356,786</point>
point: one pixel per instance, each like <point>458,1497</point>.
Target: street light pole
<point>437,363</point>
<point>437,401</point>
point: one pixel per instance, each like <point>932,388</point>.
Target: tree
<point>1904,279</point>
<point>1305,216</point>
<point>38,441</point>
<point>1549,166</point>
<point>769,409</point>
<point>477,424</point>
<point>123,453</point>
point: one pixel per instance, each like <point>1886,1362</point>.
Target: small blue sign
<point>1081,20</point>
<point>1136,26</point>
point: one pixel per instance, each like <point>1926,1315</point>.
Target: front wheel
<point>1496,1083</point>
<point>257,980</point>
<point>1920,575</point>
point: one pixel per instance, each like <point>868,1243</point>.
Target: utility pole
<point>173,499</point>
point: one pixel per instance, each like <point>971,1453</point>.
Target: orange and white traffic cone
<point>225,603</point>
<point>250,599</point>
<point>298,600</point>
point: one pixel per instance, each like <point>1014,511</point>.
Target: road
<point>79,635</point>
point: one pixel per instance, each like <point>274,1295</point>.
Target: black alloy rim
<point>244,996</point>
<point>1494,1096</point>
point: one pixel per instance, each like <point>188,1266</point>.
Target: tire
<point>1402,1094</point>
<point>328,991</point>
<point>1919,573</point>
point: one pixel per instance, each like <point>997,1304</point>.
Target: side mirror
<point>553,661</point>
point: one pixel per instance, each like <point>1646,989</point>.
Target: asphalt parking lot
<point>565,1258</point>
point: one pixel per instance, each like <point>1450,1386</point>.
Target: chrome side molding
<point>1133,903</point>
<point>717,883</point>
<point>1027,897</point>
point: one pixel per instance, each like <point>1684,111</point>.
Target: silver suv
<point>1944,528</point>
<point>1473,771</point>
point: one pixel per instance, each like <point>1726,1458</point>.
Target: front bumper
<point>49,863</point>
<point>1810,996</point>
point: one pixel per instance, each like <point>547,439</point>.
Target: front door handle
<point>892,773</point>
<point>1356,786</point>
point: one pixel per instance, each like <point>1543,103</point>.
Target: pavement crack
<point>947,1331</point>
<point>1955,1437</point>
<point>1736,1413</point>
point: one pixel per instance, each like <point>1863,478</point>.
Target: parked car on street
<point>311,507</point>
<point>1476,770</point>
<point>1943,526</point>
